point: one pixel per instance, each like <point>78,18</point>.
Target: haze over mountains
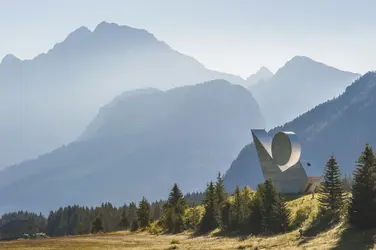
<point>139,145</point>
<point>341,126</point>
<point>166,128</point>
<point>49,100</point>
<point>297,87</point>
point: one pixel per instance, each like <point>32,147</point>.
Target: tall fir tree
<point>124,223</point>
<point>269,199</point>
<point>225,216</point>
<point>254,220</point>
<point>132,212</point>
<point>209,220</point>
<point>236,209</point>
<point>331,195</point>
<point>143,213</point>
<point>97,225</point>
<point>361,210</point>
<point>282,215</point>
<point>220,192</point>
<point>174,209</point>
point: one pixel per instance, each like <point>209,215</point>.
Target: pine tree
<point>225,216</point>
<point>96,225</point>
<point>255,215</point>
<point>209,220</point>
<point>174,209</point>
<point>331,194</point>
<point>361,210</point>
<point>282,214</point>
<point>246,199</point>
<point>143,213</point>
<point>236,209</point>
<point>220,192</point>
<point>124,223</point>
<point>132,212</point>
<point>269,199</point>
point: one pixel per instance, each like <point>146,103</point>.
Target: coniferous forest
<point>258,212</point>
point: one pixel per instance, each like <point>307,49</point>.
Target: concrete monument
<point>279,158</point>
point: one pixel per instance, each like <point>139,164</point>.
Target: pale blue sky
<point>235,36</point>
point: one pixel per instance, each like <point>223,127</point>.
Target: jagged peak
<point>308,63</point>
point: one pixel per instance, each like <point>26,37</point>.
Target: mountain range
<point>48,101</point>
<point>139,145</point>
<point>341,126</point>
<point>297,87</point>
<point>106,111</point>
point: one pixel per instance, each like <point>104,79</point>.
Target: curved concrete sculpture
<point>280,161</point>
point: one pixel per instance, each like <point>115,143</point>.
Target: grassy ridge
<point>303,214</point>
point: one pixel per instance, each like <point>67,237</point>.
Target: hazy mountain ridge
<point>184,135</point>
<point>49,100</point>
<point>300,81</point>
<point>341,126</point>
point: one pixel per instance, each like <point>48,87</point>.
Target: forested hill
<point>341,126</point>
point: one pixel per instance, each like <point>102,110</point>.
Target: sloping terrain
<point>341,126</point>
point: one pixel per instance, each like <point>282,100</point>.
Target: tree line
<point>263,211</point>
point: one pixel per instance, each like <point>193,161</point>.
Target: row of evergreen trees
<point>261,212</point>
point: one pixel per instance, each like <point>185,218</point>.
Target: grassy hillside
<point>303,210</point>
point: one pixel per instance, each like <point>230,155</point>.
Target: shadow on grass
<point>352,238</point>
<point>321,223</point>
<point>231,234</point>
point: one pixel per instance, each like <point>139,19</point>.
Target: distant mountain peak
<point>78,33</point>
<point>305,63</point>
<point>106,26</point>
<point>114,27</point>
<point>262,74</point>
<point>301,58</point>
<point>10,59</point>
<point>264,71</point>
<point>81,30</point>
